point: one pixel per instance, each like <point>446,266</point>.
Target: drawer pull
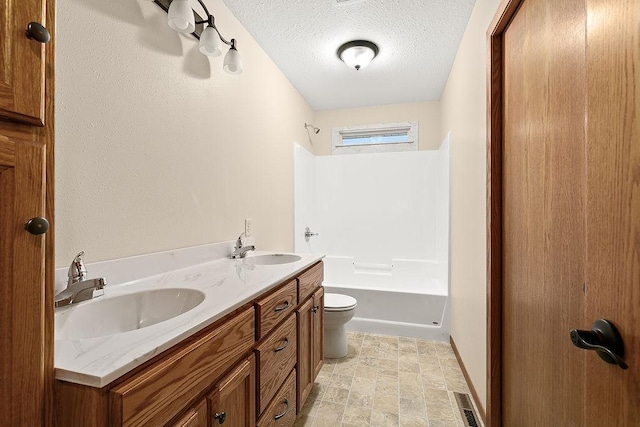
<point>282,307</point>
<point>286,343</point>
<point>286,409</point>
<point>221,417</point>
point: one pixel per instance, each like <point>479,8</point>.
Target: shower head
<point>315,129</point>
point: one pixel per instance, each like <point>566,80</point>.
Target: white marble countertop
<point>227,285</point>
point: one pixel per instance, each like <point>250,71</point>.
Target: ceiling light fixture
<point>357,54</point>
<point>183,19</point>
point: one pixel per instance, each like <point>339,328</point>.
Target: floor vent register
<point>469,417</point>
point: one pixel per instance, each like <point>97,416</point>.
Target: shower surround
<point>383,223</point>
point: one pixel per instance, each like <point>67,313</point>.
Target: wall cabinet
<point>220,375</point>
<point>26,191</point>
<point>22,72</point>
<point>22,196</point>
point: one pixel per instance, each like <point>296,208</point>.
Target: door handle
<point>605,339</point>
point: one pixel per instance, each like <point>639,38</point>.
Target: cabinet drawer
<point>275,307</point>
<point>157,394</point>
<point>276,355</point>
<point>310,280</point>
<point>282,410</point>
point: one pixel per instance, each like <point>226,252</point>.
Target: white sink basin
<point>272,259</point>
<point>109,316</point>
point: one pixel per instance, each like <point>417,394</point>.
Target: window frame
<point>340,133</point>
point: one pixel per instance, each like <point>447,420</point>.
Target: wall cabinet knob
<point>37,225</point>
<point>38,32</point>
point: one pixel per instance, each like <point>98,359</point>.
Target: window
<point>378,138</point>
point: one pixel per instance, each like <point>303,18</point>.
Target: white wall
<point>427,114</point>
<point>385,213</point>
<point>157,147</point>
<point>377,207</point>
<point>463,106</point>
<point>304,199</point>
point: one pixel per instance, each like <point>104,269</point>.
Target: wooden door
<point>22,284</point>
<point>304,367</point>
<point>22,62</point>
<point>564,210</point>
<point>318,332</point>
<point>543,213</point>
<point>234,401</point>
<point>613,205</point>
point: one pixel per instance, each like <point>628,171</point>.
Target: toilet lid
<point>339,302</point>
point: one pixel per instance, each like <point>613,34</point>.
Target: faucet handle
<point>239,241</point>
<point>77,271</point>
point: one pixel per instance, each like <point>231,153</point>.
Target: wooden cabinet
<point>233,402</point>
<point>26,191</point>
<point>22,71</point>
<point>317,351</point>
<point>167,386</point>
<point>22,196</point>
<point>276,356</point>
<point>310,317</point>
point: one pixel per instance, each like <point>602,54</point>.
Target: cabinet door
<point>305,317</point>
<point>22,286</point>
<point>22,62</point>
<point>195,417</point>
<point>318,331</point>
<point>234,400</point>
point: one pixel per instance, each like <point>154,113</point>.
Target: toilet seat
<point>339,302</point>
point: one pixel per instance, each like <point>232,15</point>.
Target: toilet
<point>338,310</point>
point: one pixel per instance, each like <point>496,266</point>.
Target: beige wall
<point>157,147</point>
<point>426,113</point>
<point>464,114</point>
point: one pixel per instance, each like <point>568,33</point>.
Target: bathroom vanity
<point>254,364</point>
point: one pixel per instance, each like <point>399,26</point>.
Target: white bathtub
<point>405,298</point>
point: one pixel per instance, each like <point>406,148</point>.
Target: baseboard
<point>474,394</point>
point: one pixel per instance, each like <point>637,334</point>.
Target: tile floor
<point>387,381</point>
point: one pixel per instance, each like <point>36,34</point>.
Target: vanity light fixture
<point>183,19</point>
<point>357,54</point>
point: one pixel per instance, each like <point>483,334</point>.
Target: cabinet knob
<point>38,32</point>
<point>37,225</point>
<point>221,417</point>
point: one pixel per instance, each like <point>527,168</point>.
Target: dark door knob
<point>605,339</point>
<point>37,225</point>
<point>37,32</point>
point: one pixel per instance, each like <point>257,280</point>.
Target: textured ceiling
<point>418,40</point>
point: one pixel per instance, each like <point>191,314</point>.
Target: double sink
<point>107,316</point>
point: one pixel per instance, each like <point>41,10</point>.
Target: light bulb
<point>210,42</point>
<point>181,17</point>
<point>232,62</point>
<point>357,57</point>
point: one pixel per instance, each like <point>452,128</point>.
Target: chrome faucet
<point>240,251</point>
<point>78,287</point>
